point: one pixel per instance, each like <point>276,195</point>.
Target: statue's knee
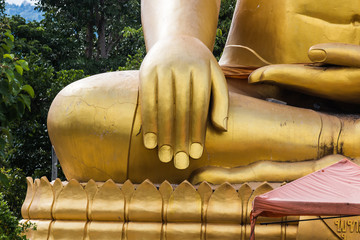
<point>90,123</point>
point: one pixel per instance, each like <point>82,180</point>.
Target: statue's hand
<point>336,78</point>
<point>177,77</point>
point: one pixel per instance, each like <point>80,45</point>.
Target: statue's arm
<point>178,76</point>
<point>335,76</point>
<point>162,19</point>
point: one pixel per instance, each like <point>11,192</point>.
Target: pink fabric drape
<point>334,190</point>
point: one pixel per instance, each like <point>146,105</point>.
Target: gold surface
<point>71,203</point>
<point>262,171</point>
<point>29,197</point>
<point>184,204</point>
<point>301,78</point>
<point>160,17</point>
<point>152,210</point>
<point>89,120</point>
<point>205,192</point>
<point>286,134</point>
<point>340,228</point>
<point>175,97</point>
<point>285,35</point>
<point>108,195</point>
<point>102,127</point>
<point>90,189</point>
<point>335,53</point>
<point>317,230</point>
<point>180,211</point>
<point>42,200</point>
<point>175,94</point>
<point>104,230</point>
<point>42,229</point>
<point>119,125</point>
<point>143,230</point>
<point>65,230</point>
<point>225,195</point>
<point>344,228</point>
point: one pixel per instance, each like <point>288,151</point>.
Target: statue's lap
<point>95,127</point>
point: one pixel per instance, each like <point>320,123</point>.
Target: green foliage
<point>14,190</point>
<point>91,35</point>
<point>133,62</point>
<point>14,99</point>
<point>62,79</point>
<point>4,180</point>
<point>14,95</point>
<point>225,17</point>
<point>31,149</point>
<point>30,37</point>
<point>2,8</point>
<point>10,228</point>
<point>30,135</point>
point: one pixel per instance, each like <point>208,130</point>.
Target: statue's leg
<point>90,123</point>
<point>276,139</point>
<point>261,130</point>
<point>257,130</point>
<point>260,171</point>
<point>95,127</point>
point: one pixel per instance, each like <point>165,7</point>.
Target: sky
<point>19,2</point>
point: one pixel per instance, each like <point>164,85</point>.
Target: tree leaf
<point>9,35</point>
<point>26,100</point>
<point>24,64</point>
<point>3,178</point>
<point>4,88</point>
<point>20,105</point>
<point>10,74</point>
<point>6,47</point>
<point>2,118</point>
<point>9,43</point>
<point>19,69</point>
<point>29,90</point>
<point>10,56</point>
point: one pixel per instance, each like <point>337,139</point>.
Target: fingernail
<point>181,160</point>
<point>150,140</point>
<point>196,150</point>
<point>165,153</point>
<point>225,123</point>
<point>317,55</point>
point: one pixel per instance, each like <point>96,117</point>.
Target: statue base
<point>98,210</point>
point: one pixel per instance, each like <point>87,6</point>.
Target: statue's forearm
<point>164,18</point>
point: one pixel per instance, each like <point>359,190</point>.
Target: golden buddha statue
<point>153,123</point>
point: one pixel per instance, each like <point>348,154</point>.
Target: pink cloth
<point>334,190</point>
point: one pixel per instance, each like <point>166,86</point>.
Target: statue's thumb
<point>220,98</point>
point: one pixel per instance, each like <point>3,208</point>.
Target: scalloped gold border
<point>98,210</point>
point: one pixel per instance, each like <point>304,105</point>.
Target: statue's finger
<point>336,83</point>
<point>166,103</point>
<point>220,97</point>
<point>336,53</point>
<point>148,100</point>
<point>201,81</point>
<point>182,123</point>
